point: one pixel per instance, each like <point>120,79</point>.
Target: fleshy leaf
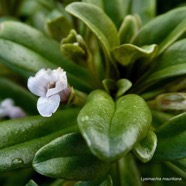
<point>170,64</point>
<point>21,138</point>
<point>116,125</point>
<point>68,157</point>
<point>145,149</point>
<point>172,139</point>
<point>117,10</point>
<point>95,2</point>
<point>129,28</point>
<point>174,55</point>
<point>123,86</point>
<point>127,53</point>
<point>128,169</point>
<point>159,28</point>
<point>31,183</point>
<point>144,8</point>
<point>173,36</point>
<point>27,50</point>
<point>57,25</point>
<point>181,163</point>
<point>97,21</point>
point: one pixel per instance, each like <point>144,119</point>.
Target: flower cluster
<point>52,87</point>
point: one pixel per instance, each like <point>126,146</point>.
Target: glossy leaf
<point>181,163</point>
<point>57,25</point>
<point>144,150</point>
<point>21,138</point>
<point>68,157</point>
<point>144,8</point>
<point>173,36</point>
<point>123,86</point>
<point>174,55</point>
<point>19,94</point>
<point>116,10</point>
<point>22,45</point>
<point>129,28</point>
<point>18,57</point>
<point>116,125</point>
<point>74,47</point>
<point>170,64</point>
<point>159,28</point>
<point>97,21</point>
<point>129,171</point>
<point>109,85</point>
<point>172,139</point>
<point>31,183</point>
<point>98,3</point>
<point>127,53</point>
<point>158,118</point>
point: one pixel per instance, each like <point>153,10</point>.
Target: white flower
<point>8,109</point>
<point>50,86</point>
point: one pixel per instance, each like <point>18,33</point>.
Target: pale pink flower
<point>52,87</point>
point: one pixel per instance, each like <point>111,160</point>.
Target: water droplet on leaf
<point>85,118</point>
<point>17,162</point>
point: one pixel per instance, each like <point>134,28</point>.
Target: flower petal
<point>47,106</point>
<point>60,84</point>
<point>34,85</point>
<point>38,85</point>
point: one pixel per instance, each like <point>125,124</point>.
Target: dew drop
<point>85,118</point>
<point>17,162</point>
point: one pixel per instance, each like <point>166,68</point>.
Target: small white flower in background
<point>8,109</point>
<point>52,87</point>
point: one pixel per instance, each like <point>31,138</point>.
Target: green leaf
<point>158,118</point>
<point>127,53</point>
<point>21,138</point>
<point>144,150</point>
<point>178,170</point>
<point>98,22</point>
<point>109,85</point>
<point>181,163</point>
<point>174,55</point>
<point>68,157</point>
<point>144,8</point>
<point>170,64</point>
<point>129,171</point>
<point>129,28</point>
<point>106,182</point>
<point>98,3</point>
<point>19,94</point>
<point>74,47</point>
<point>57,25</point>
<point>123,86</point>
<point>161,27</point>
<point>21,59</point>
<point>116,10</point>
<point>172,139</point>
<point>116,125</point>
<point>31,183</point>
<point>27,50</point>
<point>173,36</point>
